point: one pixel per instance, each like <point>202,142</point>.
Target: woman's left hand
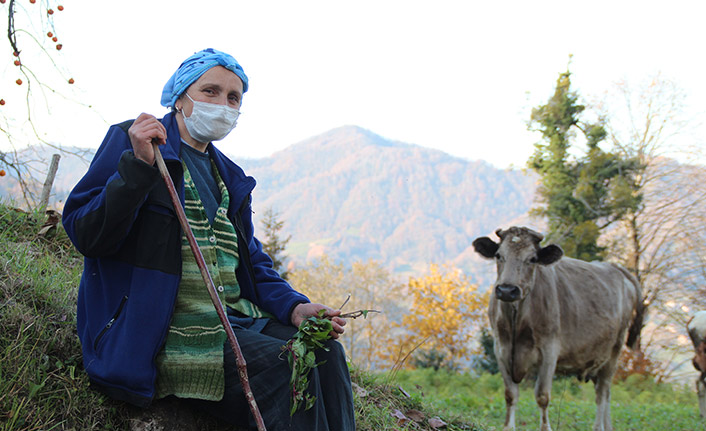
<point>303,311</point>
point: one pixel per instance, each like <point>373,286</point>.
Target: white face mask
<point>210,121</point>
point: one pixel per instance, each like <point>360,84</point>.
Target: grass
<point>41,383</point>
<point>43,386</point>
<point>637,403</point>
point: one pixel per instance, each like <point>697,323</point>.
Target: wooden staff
<point>239,358</point>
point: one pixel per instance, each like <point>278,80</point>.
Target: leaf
<point>310,360</point>
<point>415,415</point>
<point>35,388</point>
<point>437,423</point>
<point>401,418</point>
<point>359,390</point>
<point>299,349</point>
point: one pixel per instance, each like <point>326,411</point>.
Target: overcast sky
<point>459,76</point>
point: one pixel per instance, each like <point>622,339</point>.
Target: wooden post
<point>46,191</point>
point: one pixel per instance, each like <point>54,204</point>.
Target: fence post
<point>46,191</point>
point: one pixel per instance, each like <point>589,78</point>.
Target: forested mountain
<point>354,195</point>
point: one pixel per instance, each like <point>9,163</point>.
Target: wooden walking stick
<point>239,358</point>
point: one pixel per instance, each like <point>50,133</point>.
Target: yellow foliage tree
<point>444,317</point>
<point>370,286</point>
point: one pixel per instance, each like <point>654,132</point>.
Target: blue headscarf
<point>193,67</point>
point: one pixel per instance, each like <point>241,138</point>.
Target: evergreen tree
<point>272,243</point>
<point>580,196</point>
<point>487,362</point>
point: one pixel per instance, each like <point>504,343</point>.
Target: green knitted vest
<point>190,365</point>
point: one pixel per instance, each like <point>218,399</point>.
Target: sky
<point>458,76</point>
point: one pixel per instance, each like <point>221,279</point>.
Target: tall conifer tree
<point>579,195</point>
<point>273,244</point>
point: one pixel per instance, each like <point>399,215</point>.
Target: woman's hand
<point>303,311</point>
<point>146,129</point>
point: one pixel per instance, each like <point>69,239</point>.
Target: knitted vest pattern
<point>190,365</point>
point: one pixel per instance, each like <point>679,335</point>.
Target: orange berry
<point>17,62</point>
<point>60,7</point>
<point>58,46</point>
<point>33,1</point>
<point>19,82</point>
<point>71,80</point>
<point>2,1</point>
<point>2,101</point>
<point>2,172</point>
<point>50,34</point>
<point>54,38</point>
<point>16,54</point>
<point>50,11</point>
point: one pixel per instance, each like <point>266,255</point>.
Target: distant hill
<point>353,195</point>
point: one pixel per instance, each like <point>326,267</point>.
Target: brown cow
<point>551,314</point>
<point>696,327</point>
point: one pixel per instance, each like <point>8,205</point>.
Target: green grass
<point>637,404</point>
<point>43,385</point>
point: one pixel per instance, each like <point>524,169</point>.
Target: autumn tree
<point>370,287</point>
<point>272,242</point>
<point>35,81</point>
<point>581,195</point>
<point>444,316</point>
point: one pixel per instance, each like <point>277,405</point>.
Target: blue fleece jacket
<point>120,217</point>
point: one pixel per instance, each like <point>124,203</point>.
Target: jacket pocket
<point>154,241</point>
<point>110,323</point>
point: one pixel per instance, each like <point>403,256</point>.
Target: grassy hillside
<point>43,386</point>
<point>42,383</point>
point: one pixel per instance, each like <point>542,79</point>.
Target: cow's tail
<point>639,312</point>
<point>638,320</point>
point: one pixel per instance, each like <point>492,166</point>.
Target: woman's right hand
<point>146,129</point>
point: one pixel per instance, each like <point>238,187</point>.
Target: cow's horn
<point>499,232</point>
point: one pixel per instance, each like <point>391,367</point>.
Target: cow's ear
<point>549,254</point>
<point>485,246</point>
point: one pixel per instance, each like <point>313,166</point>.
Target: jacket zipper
<point>110,323</point>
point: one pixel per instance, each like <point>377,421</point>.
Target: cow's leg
<point>512,394</point>
<point>701,391</point>
<point>543,387</point>
<point>602,385</point>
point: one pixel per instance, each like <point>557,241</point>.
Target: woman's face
<point>217,85</point>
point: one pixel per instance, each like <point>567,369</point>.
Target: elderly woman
<point>147,326</point>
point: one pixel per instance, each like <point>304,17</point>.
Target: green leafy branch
<point>300,351</point>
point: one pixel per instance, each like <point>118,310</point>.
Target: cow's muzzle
<point>507,292</point>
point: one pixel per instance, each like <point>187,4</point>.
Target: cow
<point>550,314</point>
<point>696,327</point>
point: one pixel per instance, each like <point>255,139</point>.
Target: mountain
<point>353,195</point>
